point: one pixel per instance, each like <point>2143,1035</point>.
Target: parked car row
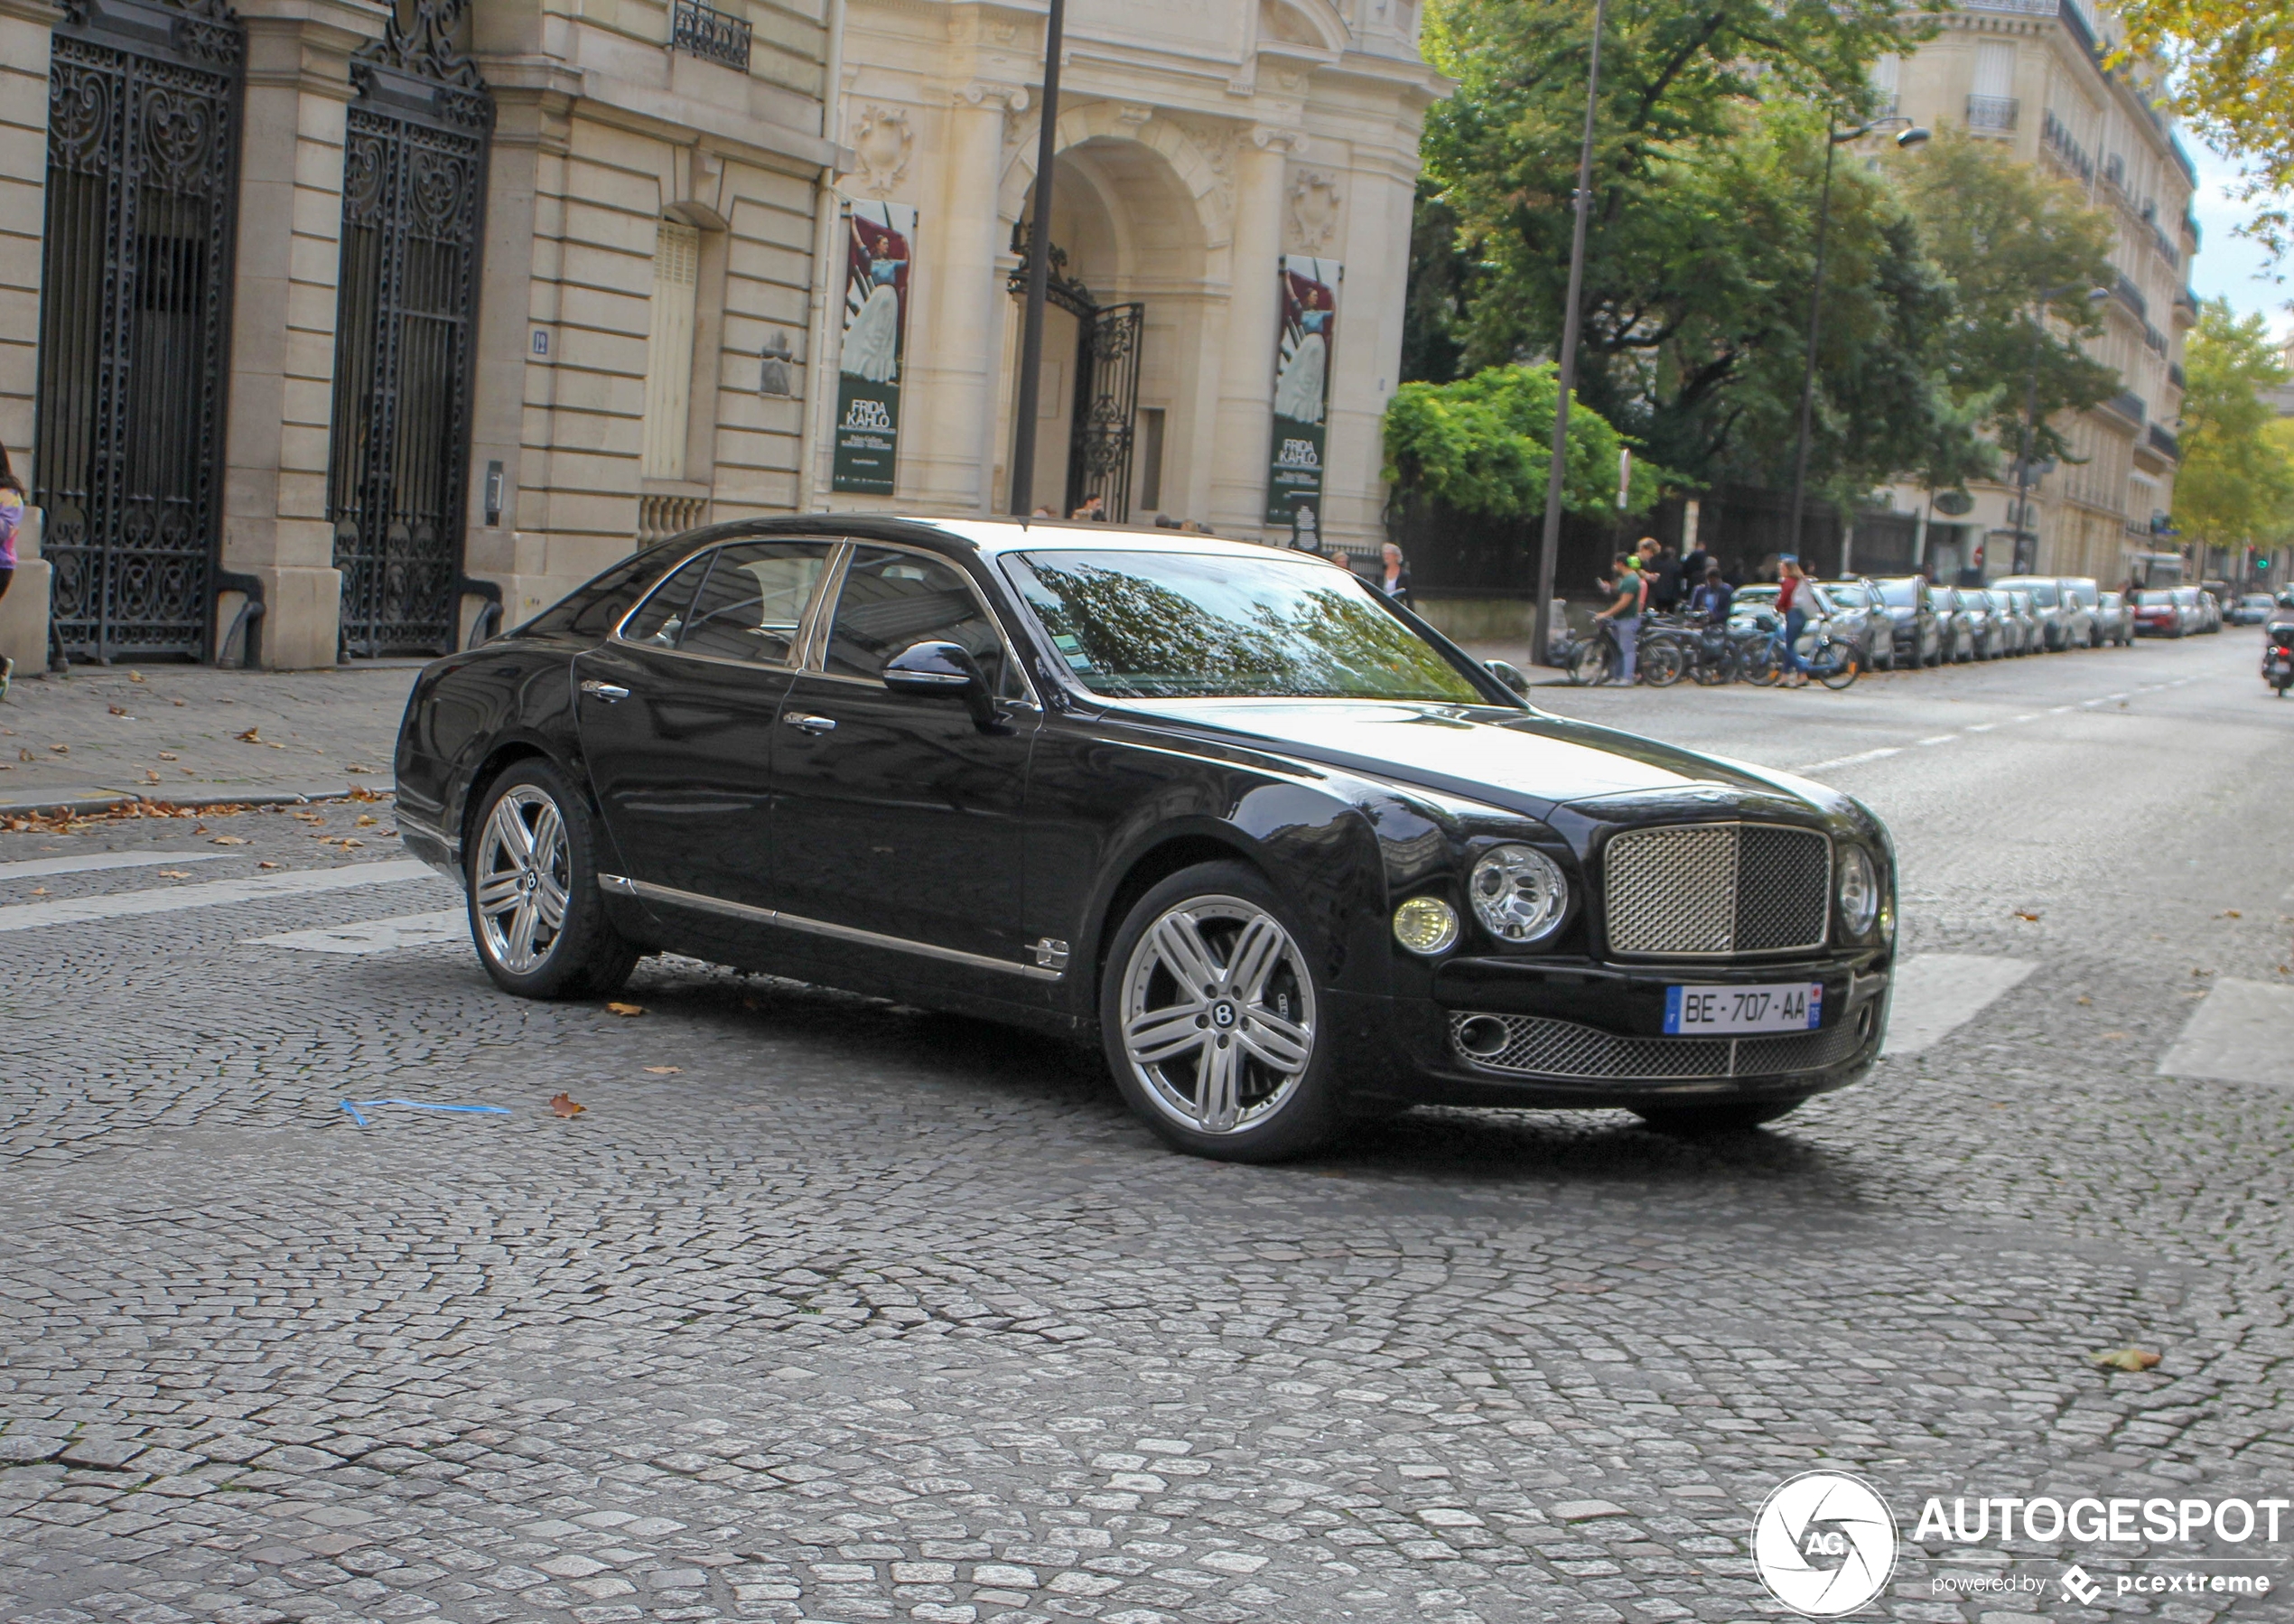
<point>2177,611</point>
<point>1908,620</point>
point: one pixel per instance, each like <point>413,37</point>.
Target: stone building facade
<point>2029,74</point>
<point>356,316</point>
<point>1199,142</point>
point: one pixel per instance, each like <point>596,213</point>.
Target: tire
<point>533,811</point>
<point>1834,665</point>
<point>1592,666</point>
<point>1272,1045</point>
<point>1705,1122</point>
<point>1662,663</point>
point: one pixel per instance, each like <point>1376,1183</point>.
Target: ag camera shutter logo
<point>1824,1543</point>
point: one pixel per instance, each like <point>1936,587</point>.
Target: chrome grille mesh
<point>1709,890</point>
<point>1536,1046</point>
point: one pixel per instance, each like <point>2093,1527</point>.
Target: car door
<point>896,817</point>
<point>678,714</point>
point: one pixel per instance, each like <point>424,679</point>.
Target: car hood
<point>1529,763</point>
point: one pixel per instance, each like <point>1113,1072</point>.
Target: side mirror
<point>1510,675</point>
<point>945,669</point>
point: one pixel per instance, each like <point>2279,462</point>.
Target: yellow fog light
<point>1426,925</point>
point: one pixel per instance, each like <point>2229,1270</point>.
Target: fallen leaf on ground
<point>2233,913</point>
<point>563,1106</point>
<point>664,1070</point>
<point>169,755</point>
<point>367,819</point>
<point>2085,999</point>
<point>2115,1037</point>
<point>61,749</point>
<point>22,754</point>
<point>2021,915</point>
<point>176,702</point>
<point>120,710</point>
<point>38,891</point>
<point>174,874</point>
<point>149,777</point>
<point>2123,1359</point>
<point>134,677</point>
<point>625,1009</point>
<point>354,767</point>
<point>253,735</point>
<point>230,840</point>
<point>2194,971</point>
<point>267,862</point>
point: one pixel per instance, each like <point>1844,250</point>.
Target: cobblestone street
<point>827,1309</point>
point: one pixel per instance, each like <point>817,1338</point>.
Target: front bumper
<point>1581,1035</point>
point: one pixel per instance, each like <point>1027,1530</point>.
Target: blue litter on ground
<point>359,1107</point>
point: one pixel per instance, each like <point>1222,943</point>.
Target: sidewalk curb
<point>119,800</point>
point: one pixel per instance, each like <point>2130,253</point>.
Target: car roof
<point>1014,536</point>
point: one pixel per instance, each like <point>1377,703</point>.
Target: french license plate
<point>1783,1006</point>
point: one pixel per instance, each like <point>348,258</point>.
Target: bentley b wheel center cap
<point>1223,1015</point>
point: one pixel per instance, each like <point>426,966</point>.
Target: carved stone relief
<point>1315,203</point>
<point>882,141</point>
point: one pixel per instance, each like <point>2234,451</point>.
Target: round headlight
<point>1425,925</point>
<point>1519,893</point>
<point>1859,890</point>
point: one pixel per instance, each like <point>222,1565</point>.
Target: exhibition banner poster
<point>877,239</point>
<point>1309,314</point>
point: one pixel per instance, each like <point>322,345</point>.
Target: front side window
<point>1178,625</point>
<point>1899,594</point>
<point>892,601</point>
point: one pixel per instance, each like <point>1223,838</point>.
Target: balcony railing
<point>2165,444</point>
<point>1991,114</point>
<point>2055,140</point>
<point>2128,405</point>
<point>709,33</point>
<point>2175,374</point>
<point>2131,297</point>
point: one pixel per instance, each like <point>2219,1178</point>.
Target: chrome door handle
<point>606,691</point>
<point>815,726</point>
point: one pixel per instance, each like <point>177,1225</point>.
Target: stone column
<point>25,27</point>
<point>1367,356</point>
<point>1246,357</point>
<point>949,462</point>
<point>283,323</point>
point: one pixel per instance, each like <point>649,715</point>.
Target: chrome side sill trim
<point>622,885</point>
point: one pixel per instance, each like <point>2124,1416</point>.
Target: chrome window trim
<point>837,547</point>
<point>817,661</point>
<point>622,885</point>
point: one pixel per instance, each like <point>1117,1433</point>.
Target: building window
<point>1151,459</point>
<point>1888,84</point>
<point>669,352</point>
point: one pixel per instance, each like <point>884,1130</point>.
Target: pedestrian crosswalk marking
<point>2237,1035</point>
<point>1936,993</point>
<point>374,935</point>
<point>41,867</point>
<point>253,888</point>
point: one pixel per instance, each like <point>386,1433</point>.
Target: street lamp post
<point>1910,136</point>
<point>1024,405</point>
<point>2025,564</point>
<point>1540,614</point>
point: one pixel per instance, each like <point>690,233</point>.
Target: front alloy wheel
<point>1212,1020</point>
<point>524,875</point>
<point>535,910</point>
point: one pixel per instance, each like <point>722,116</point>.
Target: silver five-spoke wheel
<point>523,873</point>
<point>1218,1015</point>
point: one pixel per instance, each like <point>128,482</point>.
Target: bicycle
<point>1831,660</point>
<point>1597,658</point>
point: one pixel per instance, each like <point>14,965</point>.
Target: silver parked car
<point>1952,612</point>
<point>2058,617</point>
<point>1986,639</point>
<point>2253,610</point>
<point>2034,628</point>
<point>1854,614</point>
<point>2081,595</point>
<point>1911,606</point>
<point>2115,620</point>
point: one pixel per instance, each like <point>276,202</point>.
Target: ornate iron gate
<point>134,316</point>
<point>413,203</point>
<point>1106,408</point>
<point>1101,418</point>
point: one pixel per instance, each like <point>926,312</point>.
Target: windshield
<point>1899,594</point>
<point>2155,599</point>
<point>2042,593</point>
<point>1174,625</point>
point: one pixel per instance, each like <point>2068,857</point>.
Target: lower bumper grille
<point>1535,1046</point>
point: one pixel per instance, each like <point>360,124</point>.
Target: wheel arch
<point>1169,853</point>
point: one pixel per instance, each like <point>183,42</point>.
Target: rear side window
<point>752,604</point>
<point>660,618</point>
<point>591,610</point>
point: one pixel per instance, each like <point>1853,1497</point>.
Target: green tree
<point>2229,73</point>
<point>2006,236</point>
<point>1483,444</point>
<point>2236,485</point>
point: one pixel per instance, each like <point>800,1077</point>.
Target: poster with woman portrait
<point>877,254</point>
<point>1309,312</point>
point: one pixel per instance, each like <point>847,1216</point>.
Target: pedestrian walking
<point>11,516</point>
<point>1394,575</point>
<point>1623,614</point>
<point>1792,597</point>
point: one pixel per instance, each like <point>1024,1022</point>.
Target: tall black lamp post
<point>1909,135</point>
<point>1024,405</point>
<point>2022,515</point>
<point>1541,615</point>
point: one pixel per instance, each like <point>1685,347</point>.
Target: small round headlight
<point>1518,893</point>
<point>1859,890</point>
<point>1425,925</point>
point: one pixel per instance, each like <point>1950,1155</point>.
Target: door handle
<point>816,725</point>
<point>606,691</point>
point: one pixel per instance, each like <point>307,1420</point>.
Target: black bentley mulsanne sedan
<point>1288,853</point>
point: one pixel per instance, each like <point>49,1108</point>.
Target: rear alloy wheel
<point>536,913</point>
<point>1704,1121</point>
<point>1213,1020</point>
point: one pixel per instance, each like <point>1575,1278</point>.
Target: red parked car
<point>2156,614</point>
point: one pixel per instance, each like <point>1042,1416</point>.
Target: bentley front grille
<point>1535,1046</point>
<point>1717,890</point>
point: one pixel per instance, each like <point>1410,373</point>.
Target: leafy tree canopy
<point>1483,444</point>
<point>2231,67</point>
<point>2236,483</point>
